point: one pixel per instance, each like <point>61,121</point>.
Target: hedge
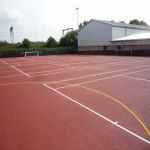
<point>19,52</point>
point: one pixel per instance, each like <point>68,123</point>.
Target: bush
<point>45,51</point>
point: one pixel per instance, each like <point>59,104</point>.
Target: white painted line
<point>20,71</point>
<point>101,79</point>
<point>62,87</point>
<point>4,62</point>
<point>136,78</point>
<point>116,124</point>
<point>82,68</point>
<point>93,75</point>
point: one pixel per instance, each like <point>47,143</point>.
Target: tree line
<point>135,22</point>
<point>69,40</point>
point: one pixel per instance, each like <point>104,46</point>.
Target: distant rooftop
<point>118,24</point>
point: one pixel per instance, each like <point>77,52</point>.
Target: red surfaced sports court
<point>75,102</point>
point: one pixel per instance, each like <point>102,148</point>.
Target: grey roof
<point>118,24</point>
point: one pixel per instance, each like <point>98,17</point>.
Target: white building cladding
<point>100,33</point>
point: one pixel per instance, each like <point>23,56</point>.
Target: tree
<point>70,39</point>
<point>143,23</point>
<point>62,41</point>
<point>85,22</point>
<point>82,24</point>
<point>121,21</point>
<point>137,22</point>
<point>25,43</point>
<point>134,21</point>
<point>51,42</point>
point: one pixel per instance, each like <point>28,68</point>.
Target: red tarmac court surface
<point>75,102</point>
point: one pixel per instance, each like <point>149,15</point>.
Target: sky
<point>39,19</point>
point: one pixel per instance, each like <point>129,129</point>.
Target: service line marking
<point>71,79</point>
<point>136,78</point>
<point>116,124</point>
<point>120,75</point>
<point>108,64</point>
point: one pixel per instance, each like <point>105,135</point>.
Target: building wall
<point>114,47</point>
<point>118,32</point>
<point>95,34</point>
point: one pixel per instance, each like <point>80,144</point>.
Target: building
<point>99,36</point>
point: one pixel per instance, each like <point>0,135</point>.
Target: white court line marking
<point>100,79</point>
<point>20,71</point>
<point>4,62</point>
<point>54,63</point>
<point>137,78</point>
<point>80,69</point>
<point>32,60</point>
<point>115,123</point>
<point>16,69</point>
<point>62,61</point>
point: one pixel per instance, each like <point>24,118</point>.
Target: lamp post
<point>77,16</point>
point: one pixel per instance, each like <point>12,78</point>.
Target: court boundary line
<point>4,62</point>
<point>105,118</point>
<point>114,99</point>
<point>20,71</point>
<point>16,68</point>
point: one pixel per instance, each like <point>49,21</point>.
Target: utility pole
<point>77,16</point>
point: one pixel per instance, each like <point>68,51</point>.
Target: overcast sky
<point>39,19</point>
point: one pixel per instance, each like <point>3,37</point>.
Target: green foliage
<point>62,41</point>
<point>51,42</point>
<point>143,23</point>
<point>82,24</point>
<point>25,43</point>
<point>70,39</point>
<point>134,21</point>
<point>44,51</point>
<point>121,21</point>
<point>137,22</point>
<point>38,44</point>
<point>3,43</point>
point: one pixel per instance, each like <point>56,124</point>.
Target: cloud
<point>9,15</point>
